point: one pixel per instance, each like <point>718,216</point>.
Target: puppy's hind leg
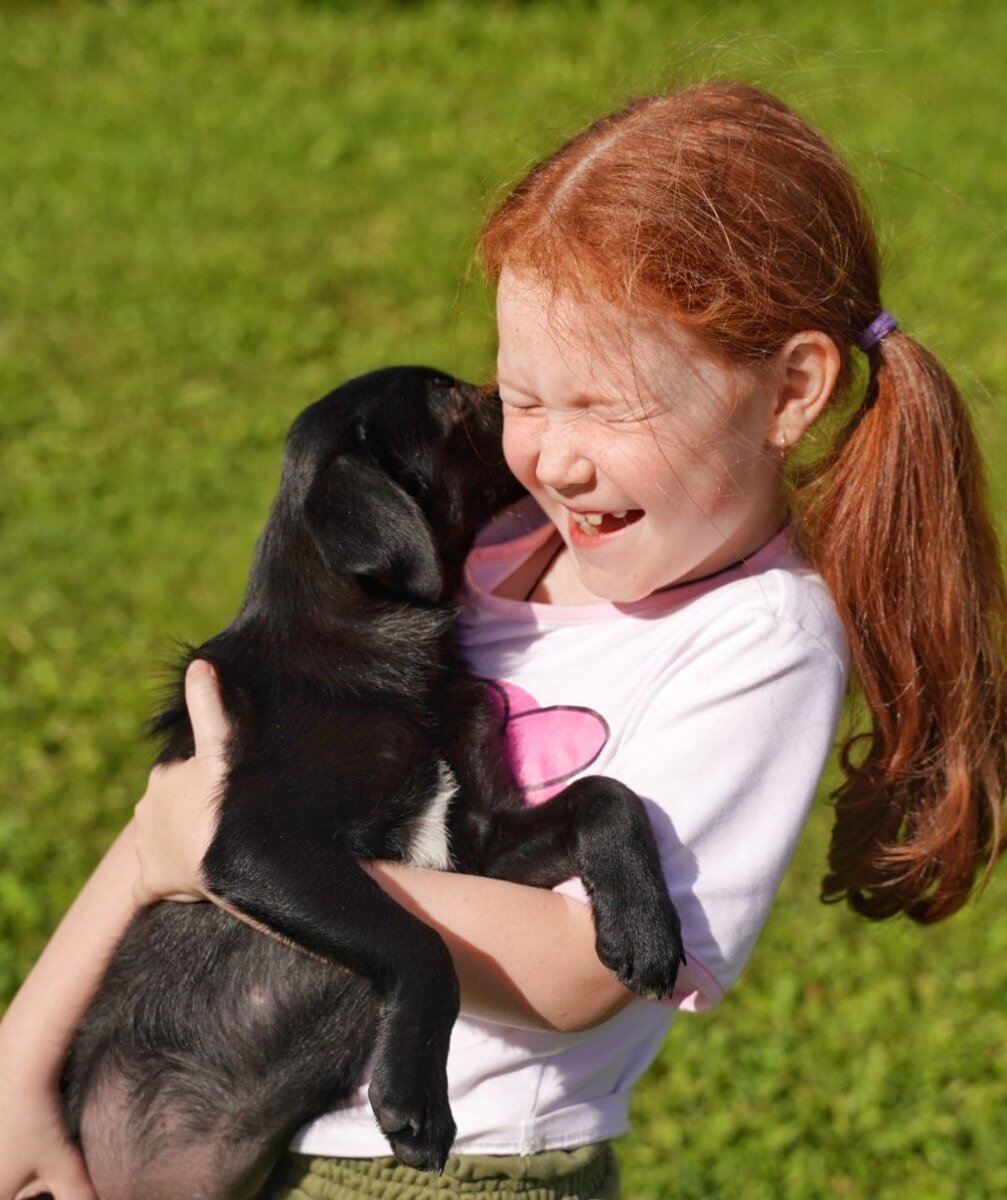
<point>331,906</point>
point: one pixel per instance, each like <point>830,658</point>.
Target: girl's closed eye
<point>518,402</point>
<point>603,410</point>
<point>625,415</point>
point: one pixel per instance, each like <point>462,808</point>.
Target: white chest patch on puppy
<point>428,842</point>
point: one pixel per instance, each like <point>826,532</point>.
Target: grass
<point>213,212</point>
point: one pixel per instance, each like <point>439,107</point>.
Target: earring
<point>783,443</point>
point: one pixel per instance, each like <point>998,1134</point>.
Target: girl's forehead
<point>548,337</point>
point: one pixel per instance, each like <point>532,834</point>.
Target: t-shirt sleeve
<point>727,754</point>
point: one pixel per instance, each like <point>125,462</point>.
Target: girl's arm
<point>525,956</point>
<point>39,1024</point>
<point>36,1031</point>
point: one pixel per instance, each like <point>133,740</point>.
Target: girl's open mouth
<point>592,524</point>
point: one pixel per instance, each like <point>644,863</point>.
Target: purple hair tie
<point>883,324</point>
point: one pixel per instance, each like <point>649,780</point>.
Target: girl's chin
<point>604,587</point>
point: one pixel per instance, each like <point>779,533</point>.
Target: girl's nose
<point>561,463</point>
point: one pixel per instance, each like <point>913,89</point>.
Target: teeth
<point>590,521</point>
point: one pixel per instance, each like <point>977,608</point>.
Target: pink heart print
<point>546,747</point>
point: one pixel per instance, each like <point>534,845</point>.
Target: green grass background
<point>211,212</point>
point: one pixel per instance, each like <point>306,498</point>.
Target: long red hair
<point>721,208</point>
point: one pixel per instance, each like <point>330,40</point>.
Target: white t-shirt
<point>717,702</point>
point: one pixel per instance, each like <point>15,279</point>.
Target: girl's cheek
<point>519,449</point>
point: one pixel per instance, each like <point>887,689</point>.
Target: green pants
<point>588,1173</point>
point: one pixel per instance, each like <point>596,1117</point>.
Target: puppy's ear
<point>365,524</point>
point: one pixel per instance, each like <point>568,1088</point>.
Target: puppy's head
<point>395,471</point>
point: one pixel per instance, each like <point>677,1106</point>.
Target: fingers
<point>142,894</point>
<point>173,825</point>
<point>145,893</point>
<point>210,728</point>
<point>175,819</point>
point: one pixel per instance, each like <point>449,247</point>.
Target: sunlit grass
<point>213,212</point>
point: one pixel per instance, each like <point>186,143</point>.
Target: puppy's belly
<point>428,838</point>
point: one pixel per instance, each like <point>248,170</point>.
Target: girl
<point>681,292</point>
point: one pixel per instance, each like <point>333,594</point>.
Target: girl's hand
<point>35,1154</point>
<point>176,816</point>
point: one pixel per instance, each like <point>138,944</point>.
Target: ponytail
<point>718,207</point>
<point>897,523</point>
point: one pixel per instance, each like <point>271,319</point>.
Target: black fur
<point>350,708</point>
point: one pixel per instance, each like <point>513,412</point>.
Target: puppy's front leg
<point>309,890</point>
<point>598,829</point>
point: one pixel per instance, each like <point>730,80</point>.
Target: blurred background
<point>211,212</point>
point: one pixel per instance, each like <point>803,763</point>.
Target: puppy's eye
<point>416,483</point>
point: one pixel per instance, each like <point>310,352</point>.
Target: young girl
<point>682,290</point>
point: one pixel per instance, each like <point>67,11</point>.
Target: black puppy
<point>356,734</point>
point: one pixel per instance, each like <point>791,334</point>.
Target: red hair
<point>721,208</point>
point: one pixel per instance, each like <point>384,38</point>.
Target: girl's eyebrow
<point>514,387</point>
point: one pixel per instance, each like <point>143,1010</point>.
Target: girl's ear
<point>809,365</point>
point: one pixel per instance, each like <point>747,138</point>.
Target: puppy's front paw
<point>641,942</point>
<point>416,1119</point>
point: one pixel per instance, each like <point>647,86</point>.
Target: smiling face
<point>648,453</point>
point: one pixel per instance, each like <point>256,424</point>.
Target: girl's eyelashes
<point>624,417</point>
<point>520,406</point>
<point>516,400</point>
<point>608,413</point>
<point>601,410</point>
